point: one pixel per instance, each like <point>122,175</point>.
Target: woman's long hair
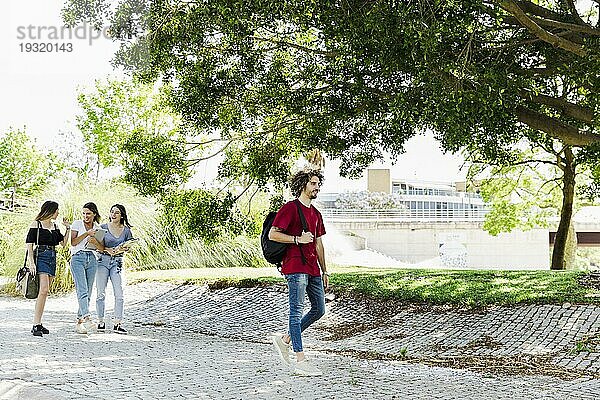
<point>48,209</point>
<point>93,208</point>
<point>124,220</point>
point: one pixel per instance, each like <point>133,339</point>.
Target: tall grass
<point>160,246</point>
<point>228,252</point>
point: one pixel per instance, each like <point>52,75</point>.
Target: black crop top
<point>47,238</point>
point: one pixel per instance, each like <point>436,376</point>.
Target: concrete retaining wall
<point>458,244</point>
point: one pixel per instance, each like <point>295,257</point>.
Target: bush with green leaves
<point>203,214</point>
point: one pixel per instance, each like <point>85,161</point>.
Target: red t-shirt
<point>288,220</point>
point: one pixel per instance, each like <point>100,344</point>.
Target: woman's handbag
<point>28,283</point>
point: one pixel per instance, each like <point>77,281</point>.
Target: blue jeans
<point>109,267</point>
<point>299,285</point>
<point>83,269</point>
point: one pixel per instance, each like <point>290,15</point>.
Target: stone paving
<point>190,342</point>
<point>387,329</point>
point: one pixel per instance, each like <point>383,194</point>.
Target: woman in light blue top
<point>110,265</point>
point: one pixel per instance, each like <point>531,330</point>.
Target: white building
<point>440,226</point>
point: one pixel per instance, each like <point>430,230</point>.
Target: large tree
<point>126,124</point>
<point>530,190</point>
<point>271,79</point>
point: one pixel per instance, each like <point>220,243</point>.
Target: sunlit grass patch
<point>471,288</point>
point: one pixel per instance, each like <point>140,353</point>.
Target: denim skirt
<point>46,262</point>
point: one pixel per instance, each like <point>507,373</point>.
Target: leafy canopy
<point>355,78</point>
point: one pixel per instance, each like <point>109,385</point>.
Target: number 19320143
<point>45,47</point>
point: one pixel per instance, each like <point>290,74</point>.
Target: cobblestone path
<point>189,342</point>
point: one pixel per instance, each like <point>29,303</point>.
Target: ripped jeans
<point>298,285</point>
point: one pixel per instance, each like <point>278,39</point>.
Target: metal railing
<point>437,192</point>
<point>405,215</point>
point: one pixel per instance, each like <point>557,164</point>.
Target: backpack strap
<point>304,227</point>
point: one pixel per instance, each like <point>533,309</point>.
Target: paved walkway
<point>189,342</point>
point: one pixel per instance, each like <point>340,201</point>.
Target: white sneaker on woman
<point>80,328</point>
<point>89,324</point>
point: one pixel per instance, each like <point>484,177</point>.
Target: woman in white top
<point>84,261</point>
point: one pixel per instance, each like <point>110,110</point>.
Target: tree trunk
<point>571,248</point>
<point>560,241</point>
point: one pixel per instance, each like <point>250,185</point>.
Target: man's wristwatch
<point>326,273</point>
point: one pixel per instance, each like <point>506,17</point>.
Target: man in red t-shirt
<point>302,265</point>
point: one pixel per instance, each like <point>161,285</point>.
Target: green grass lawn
<point>439,287</point>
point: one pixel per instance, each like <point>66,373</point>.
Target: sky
<point>39,90</point>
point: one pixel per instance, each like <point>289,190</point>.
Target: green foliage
<point>587,344</point>
<point>24,170</point>
<point>468,288</point>
<point>153,164</point>
<point>199,213</point>
<point>226,252</point>
<point>503,216</point>
<point>591,161</point>
<point>528,193</point>
<point>519,197</point>
<point>276,202</point>
<point>129,124</point>
<point>274,79</point>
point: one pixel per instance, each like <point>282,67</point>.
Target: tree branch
<point>572,110</point>
<point>568,26</point>
<point>573,11</point>
<point>244,191</point>
<point>296,46</point>
<point>195,161</point>
<point>522,162</point>
<point>567,133</point>
<point>511,7</point>
<point>532,8</point>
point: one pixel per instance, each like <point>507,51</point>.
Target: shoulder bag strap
<point>304,227</point>
<point>37,240</point>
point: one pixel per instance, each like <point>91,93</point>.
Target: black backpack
<point>274,251</point>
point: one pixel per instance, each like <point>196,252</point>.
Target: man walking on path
<point>303,264</point>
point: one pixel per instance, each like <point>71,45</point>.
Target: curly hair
<point>299,181</point>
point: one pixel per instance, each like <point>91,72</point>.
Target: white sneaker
<point>305,368</point>
<point>80,328</point>
<point>89,324</point>
<point>282,348</point>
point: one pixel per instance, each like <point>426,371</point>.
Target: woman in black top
<point>44,232</point>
